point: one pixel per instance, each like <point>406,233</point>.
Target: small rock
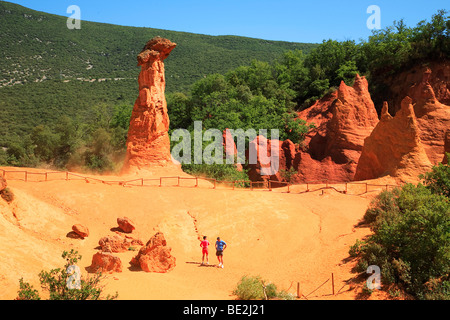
<point>81,230</point>
<point>126,225</point>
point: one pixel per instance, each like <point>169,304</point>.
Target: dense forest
<point>257,95</point>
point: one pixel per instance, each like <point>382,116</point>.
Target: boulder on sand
<point>81,230</point>
<point>126,225</point>
<point>118,243</point>
<point>105,262</point>
<point>155,256</point>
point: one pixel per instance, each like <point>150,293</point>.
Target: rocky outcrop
<point>80,230</point>
<point>155,256</point>
<point>399,85</point>
<point>126,225</point>
<point>148,143</point>
<point>343,120</point>
<point>330,151</point>
<point>105,262</point>
<point>273,159</point>
<point>230,149</point>
<point>394,147</point>
<point>262,149</point>
<point>433,117</point>
<point>411,142</point>
<point>118,243</point>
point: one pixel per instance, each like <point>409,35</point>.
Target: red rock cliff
<point>394,148</point>
<point>148,141</point>
<point>399,85</point>
<point>433,117</point>
<point>408,144</point>
<point>343,120</point>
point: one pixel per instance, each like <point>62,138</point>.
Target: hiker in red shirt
<point>204,244</point>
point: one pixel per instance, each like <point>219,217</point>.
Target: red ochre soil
<point>286,238</point>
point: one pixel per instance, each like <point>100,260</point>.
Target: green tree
<point>98,155</point>
<point>20,153</point>
<point>438,179</point>
<point>121,116</point>
<point>70,139</point>
<point>45,143</point>
<point>296,129</point>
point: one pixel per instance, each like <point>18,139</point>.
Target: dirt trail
<point>285,238</point>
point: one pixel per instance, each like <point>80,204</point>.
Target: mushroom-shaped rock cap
<point>158,48</point>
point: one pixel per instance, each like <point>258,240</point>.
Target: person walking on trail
<point>204,244</point>
<point>220,247</point>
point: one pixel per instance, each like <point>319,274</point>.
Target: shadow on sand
<point>202,265</point>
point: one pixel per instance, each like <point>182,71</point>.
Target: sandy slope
<point>284,238</point>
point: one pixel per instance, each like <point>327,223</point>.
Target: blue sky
<point>286,20</point>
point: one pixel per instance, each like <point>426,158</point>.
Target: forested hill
<point>48,71</point>
<point>38,46</point>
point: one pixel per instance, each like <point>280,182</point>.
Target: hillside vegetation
<point>47,70</point>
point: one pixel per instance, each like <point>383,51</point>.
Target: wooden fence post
<point>332,282</point>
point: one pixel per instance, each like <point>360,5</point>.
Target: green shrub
<point>255,288</point>
<point>355,250</point>
<point>55,282</point>
<point>249,288</point>
<point>27,291</point>
<point>220,172</point>
<point>438,179</point>
<point>411,239</point>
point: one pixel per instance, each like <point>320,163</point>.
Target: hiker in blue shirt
<point>220,247</point>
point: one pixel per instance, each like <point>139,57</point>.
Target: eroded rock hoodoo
<point>394,148</point>
<point>148,143</point>
<point>411,142</point>
<point>343,120</point>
